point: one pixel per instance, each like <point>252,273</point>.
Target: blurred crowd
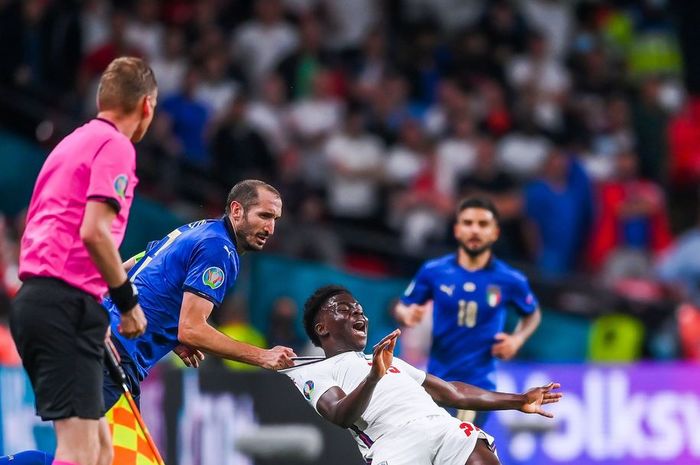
<point>374,116</point>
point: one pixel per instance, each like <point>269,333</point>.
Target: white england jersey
<point>398,398</point>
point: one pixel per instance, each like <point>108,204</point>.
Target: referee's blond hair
<point>122,85</point>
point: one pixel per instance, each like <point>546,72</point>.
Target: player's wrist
<point>125,296</point>
<point>373,378</point>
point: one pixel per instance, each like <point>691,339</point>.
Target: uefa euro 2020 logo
<point>120,183</point>
<point>213,277</point>
<point>308,389</point>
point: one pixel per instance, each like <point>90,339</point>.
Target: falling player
<point>390,407</point>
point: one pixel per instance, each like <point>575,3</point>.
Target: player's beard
<point>246,236</point>
<point>473,253</point>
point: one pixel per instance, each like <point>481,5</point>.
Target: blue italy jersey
<point>201,258</point>
<point>469,308</point>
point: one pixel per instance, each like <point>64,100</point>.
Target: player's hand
<point>133,323</point>
<point>383,355</point>
<point>190,357</point>
<point>535,398</point>
<point>277,358</point>
<point>507,346</point>
<point>410,315</point>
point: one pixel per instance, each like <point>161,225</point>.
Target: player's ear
<point>237,210</point>
<point>320,329</point>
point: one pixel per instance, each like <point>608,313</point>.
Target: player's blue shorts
<point>112,390</point>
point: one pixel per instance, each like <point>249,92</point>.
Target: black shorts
<point>59,331</point>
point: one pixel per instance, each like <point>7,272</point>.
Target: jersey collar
<point>108,122</point>
<point>229,229</point>
<point>489,264</point>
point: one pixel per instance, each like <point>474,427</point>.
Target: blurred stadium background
<point>580,118</point>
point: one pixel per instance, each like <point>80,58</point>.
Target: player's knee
<point>482,455</point>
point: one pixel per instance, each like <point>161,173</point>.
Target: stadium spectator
<point>281,326</point>
<point>238,150</point>
<point>171,65</point>
<point>488,179</point>
<point>96,62</point>
<point>235,323</point>
<point>355,160</point>
<point>631,217</point>
<point>267,114</point>
<point>455,155</point>
<point>144,30</point>
<point>188,119</point>
<point>299,67</point>
<point>648,115</point>
<point>263,41</point>
<point>420,210</point>
<point>559,203</point>
<point>216,89</point>
<point>679,266</point>
<point>308,235</point>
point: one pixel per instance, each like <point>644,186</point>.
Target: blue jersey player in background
<point>180,280</point>
<point>471,291</point>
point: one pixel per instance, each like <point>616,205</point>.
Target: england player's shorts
<point>434,440</point>
<point>59,331</point>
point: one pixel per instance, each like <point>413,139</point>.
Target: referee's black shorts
<point>59,331</point>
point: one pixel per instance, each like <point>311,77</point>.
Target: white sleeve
<point>312,381</point>
<point>417,375</point>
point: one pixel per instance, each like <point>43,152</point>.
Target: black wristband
<point>125,297</point>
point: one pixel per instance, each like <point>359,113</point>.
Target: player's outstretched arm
<point>465,396</point>
<point>194,332</point>
<point>345,409</point>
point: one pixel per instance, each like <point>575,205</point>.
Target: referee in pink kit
<point>69,260</point>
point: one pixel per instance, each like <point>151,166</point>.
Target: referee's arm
<point>96,234</point>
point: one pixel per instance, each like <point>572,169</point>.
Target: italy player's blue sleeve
<point>522,297</point>
<point>210,271</point>
<point>420,290</point>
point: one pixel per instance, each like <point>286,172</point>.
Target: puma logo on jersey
<point>228,251</point>
<point>447,289</point>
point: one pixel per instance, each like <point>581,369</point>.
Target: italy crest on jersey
<point>493,296</point>
<point>213,277</point>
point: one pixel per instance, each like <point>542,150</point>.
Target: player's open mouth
<point>360,326</point>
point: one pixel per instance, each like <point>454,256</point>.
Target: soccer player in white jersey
<point>391,408</point>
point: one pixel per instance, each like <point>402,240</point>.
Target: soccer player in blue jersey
<point>180,279</point>
<point>471,291</point>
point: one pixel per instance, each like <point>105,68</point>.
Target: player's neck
<point>124,123</point>
<point>473,263</point>
<point>333,351</point>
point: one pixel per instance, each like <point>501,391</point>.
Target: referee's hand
<point>133,323</point>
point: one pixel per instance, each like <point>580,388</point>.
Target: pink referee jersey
<point>94,162</point>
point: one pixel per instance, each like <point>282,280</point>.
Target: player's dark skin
<point>341,326</point>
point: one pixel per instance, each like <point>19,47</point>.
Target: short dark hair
<point>246,193</point>
<point>478,202</point>
<point>313,305</point>
<point>125,81</point>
